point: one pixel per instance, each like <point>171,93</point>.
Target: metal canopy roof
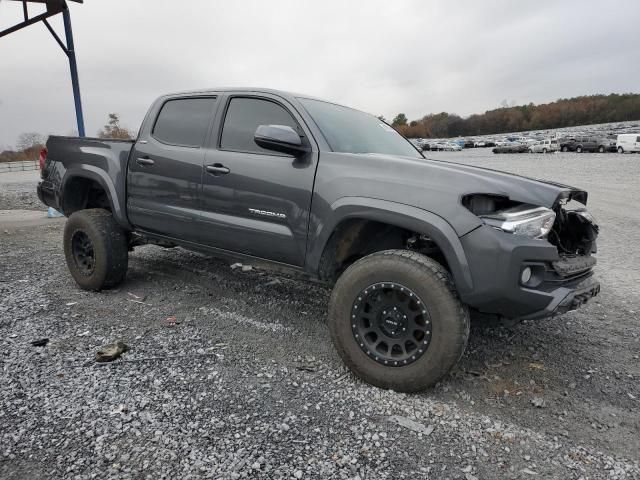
<point>53,8</point>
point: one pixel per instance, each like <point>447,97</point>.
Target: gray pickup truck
<point>411,246</point>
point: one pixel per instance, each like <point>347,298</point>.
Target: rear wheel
<point>396,321</point>
<point>544,150</point>
<point>530,151</point>
<point>620,150</point>
<point>96,249</point>
<point>579,149</point>
<point>601,149</point>
<point>565,149</point>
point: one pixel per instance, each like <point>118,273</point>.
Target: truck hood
<point>470,179</point>
<point>436,186</point>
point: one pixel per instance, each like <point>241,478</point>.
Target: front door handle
<point>217,169</point>
<point>144,161</point>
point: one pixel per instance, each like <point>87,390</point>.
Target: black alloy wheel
<point>391,324</point>
<point>83,253</point>
<point>96,249</point>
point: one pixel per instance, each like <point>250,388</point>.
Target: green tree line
<point>566,112</point>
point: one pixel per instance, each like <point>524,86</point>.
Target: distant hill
<point>566,112</point>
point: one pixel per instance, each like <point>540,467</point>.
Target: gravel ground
<point>18,191</point>
<point>245,383</point>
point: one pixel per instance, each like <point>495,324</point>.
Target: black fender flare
<point>101,177</point>
<point>400,215</point>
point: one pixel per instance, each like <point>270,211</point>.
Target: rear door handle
<point>144,161</point>
<point>217,169</point>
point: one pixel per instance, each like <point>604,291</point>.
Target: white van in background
<point>628,142</point>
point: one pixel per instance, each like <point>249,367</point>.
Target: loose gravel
<point>17,191</point>
<point>231,374</point>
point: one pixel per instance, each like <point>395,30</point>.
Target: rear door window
<point>184,121</point>
<point>244,116</point>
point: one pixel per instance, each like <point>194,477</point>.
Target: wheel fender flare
<point>403,216</point>
<point>102,178</point>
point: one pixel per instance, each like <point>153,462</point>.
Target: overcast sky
<point>383,57</point>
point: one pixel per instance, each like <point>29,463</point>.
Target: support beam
<point>53,8</point>
<point>31,21</point>
<point>55,36</point>
<point>71,53</point>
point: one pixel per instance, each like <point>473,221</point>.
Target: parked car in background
<point>545,146</point>
<point>628,142</point>
<point>469,144</point>
<point>512,148</point>
<point>579,144</point>
<point>606,144</point>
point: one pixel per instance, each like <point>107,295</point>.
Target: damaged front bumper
<point>566,299</point>
<point>496,261</point>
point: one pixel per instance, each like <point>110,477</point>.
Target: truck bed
<point>103,160</point>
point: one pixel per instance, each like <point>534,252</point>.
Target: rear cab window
<point>184,121</point>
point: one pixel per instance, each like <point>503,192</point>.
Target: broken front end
<point>530,261</point>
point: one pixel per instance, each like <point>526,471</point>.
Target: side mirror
<point>280,138</point>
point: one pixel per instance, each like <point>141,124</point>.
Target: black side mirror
<point>280,138</point>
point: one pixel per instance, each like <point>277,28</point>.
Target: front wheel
<point>601,149</point>
<point>579,149</point>
<point>396,320</point>
<point>544,150</point>
<point>565,149</point>
<point>620,150</point>
<point>96,249</point>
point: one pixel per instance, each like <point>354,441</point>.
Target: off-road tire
<point>434,285</point>
<point>110,249</point>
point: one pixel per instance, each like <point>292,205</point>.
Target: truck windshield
<point>351,131</point>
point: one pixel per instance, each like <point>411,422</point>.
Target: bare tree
<point>29,140</point>
<point>113,129</point>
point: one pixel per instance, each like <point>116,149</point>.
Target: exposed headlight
<point>527,220</point>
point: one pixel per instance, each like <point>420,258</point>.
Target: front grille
<point>570,265</point>
<point>569,269</point>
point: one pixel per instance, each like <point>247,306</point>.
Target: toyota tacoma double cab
<point>410,245</point>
